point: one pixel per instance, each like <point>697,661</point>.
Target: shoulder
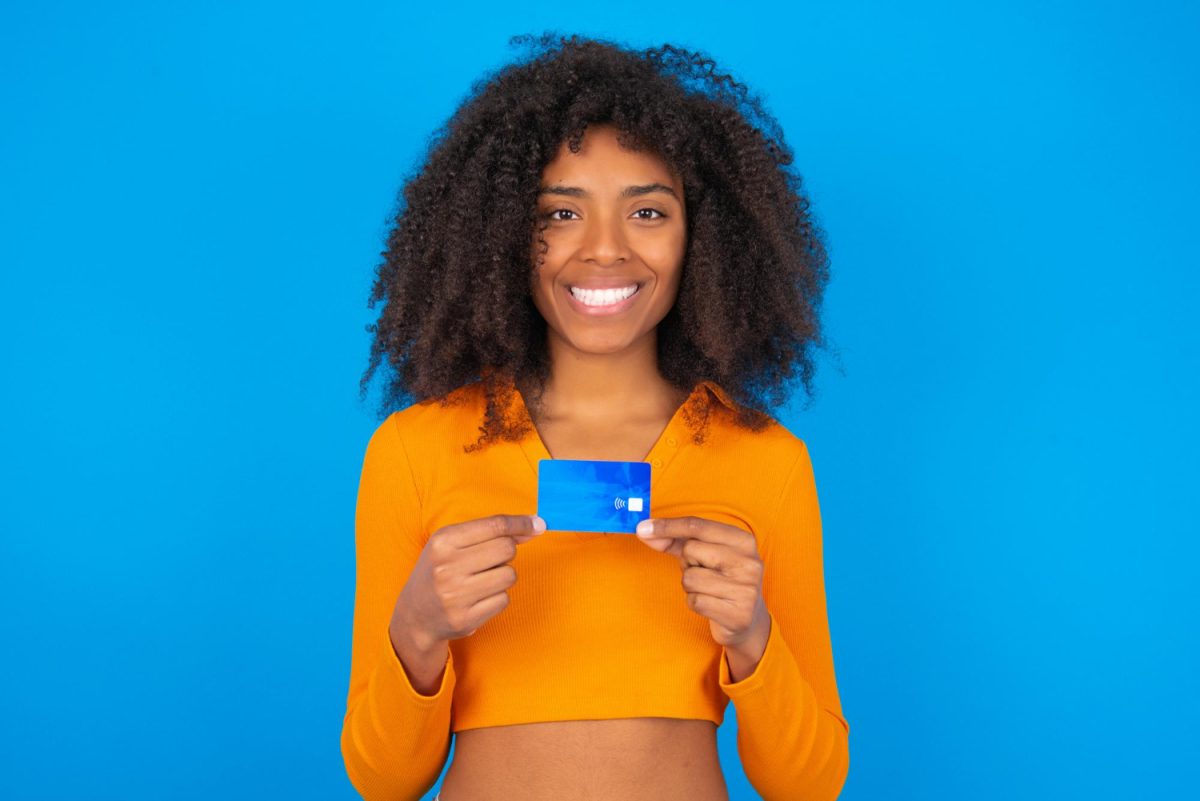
<point>762,468</point>
<point>410,442</point>
<point>436,421</point>
<point>767,440</point>
<point>775,447</point>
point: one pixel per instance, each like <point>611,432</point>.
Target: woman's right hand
<point>461,577</point>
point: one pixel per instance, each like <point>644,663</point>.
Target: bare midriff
<point>627,759</point>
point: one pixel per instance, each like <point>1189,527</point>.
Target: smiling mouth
<point>603,298</point>
<point>602,304</point>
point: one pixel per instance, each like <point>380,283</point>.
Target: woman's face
<point>614,225</point>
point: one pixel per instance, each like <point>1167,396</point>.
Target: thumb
<point>659,544</point>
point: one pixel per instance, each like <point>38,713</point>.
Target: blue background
<point>192,201</point>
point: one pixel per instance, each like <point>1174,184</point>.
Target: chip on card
<point>585,495</point>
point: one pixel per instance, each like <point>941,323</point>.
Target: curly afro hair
<point>457,273</point>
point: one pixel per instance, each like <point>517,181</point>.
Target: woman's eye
<point>553,214</point>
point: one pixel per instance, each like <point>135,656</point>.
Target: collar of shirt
<point>714,389</point>
<point>719,393</point>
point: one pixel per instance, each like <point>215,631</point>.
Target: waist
<point>669,759</point>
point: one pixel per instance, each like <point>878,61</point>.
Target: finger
<point>698,528</point>
<point>489,582</point>
<point>703,580</point>
<point>658,544</point>
<point>670,547</point>
<point>472,532</point>
<point>480,596</point>
<point>485,555</point>
<point>673,547</point>
<point>722,558</point>
<point>487,607</point>
<point>698,552</point>
<point>722,611</point>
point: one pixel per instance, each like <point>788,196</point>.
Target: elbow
<point>820,765</point>
<point>830,773</point>
<point>841,768</point>
<point>371,783</point>
<point>361,777</point>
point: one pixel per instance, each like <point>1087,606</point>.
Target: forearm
<point>790,745</point>
<point>396,737</point>
<point>396,732</point>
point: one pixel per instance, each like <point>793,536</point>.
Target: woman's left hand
<point>722,575</point>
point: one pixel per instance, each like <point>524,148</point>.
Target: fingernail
<point>539,525</point>
<point>645,528</point>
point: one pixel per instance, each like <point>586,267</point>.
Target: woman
<point>603,257</point>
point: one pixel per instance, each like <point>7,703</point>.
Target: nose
<point>604,241</point>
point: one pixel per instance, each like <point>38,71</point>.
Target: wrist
<point>742,659</point>
<point>408,634</point>
<point>424,658</point>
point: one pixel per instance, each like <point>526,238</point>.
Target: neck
<point>606,385</point>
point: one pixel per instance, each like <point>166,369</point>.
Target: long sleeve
<point>394,739</point>
<point>792,737</point>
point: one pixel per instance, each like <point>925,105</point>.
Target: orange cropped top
<point>598,625</point>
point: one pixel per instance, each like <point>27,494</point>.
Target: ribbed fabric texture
<point>598,625</point>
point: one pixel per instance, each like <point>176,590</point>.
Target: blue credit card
<point>583,495</point>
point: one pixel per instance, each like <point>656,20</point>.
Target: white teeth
<point>602,297</point>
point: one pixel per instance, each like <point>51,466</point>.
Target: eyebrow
<point>629,191</point>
